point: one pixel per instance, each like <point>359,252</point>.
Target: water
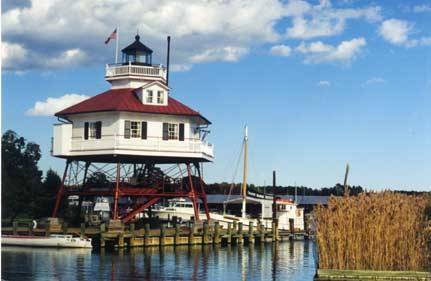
<point>285,261</point>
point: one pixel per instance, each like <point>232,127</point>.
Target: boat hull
<point>40,241</point>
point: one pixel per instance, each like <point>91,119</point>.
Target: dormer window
<point>160,97</point>
<point>149,96</point>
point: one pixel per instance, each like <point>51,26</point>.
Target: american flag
<point>112,36</point>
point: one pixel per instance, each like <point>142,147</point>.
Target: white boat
<point>288,213</point>
<point>54,240</point>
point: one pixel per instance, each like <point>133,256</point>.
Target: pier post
<point>102,227</point>
<point>274,226</point>
<point>47,229</point>
<point>292,228</point>
<point>177,234</point>
<point>102,240</point>
<point>162,235</point>
<point>146,234</point>
<point>234,226</point>
<point>133,236</point>
<point>229,233</point>
<point>15,227</point>
<point>262,233</point>
<point>64,227</point>
<point>30,228</point>
<point>82,230</point>
<point>192,234</point>
<point>206,238</point>
<point>240,234</point>
<point>217,232</point>
<point>121,240</point>
<point>250,233</point>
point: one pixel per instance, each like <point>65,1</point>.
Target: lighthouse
<point>144,144</point>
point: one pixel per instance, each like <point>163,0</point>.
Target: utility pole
<point>274,196</point>
<point>346,187</point>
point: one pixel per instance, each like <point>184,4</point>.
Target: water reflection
<point>286,261</point>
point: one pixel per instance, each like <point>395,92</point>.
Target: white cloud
<point>422,8</point>
<point>324,83</point>
<point>52,105</point>
<point>374,80</point>
<point>54,36</point>
<point>228,53</point>
<point>396,31</point>
<point>280,50</point>
<point>323,20</point>
<point>12,54</point>
<point>318,52</point>
<point>180,67</point>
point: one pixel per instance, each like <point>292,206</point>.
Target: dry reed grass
<point>374,231</point>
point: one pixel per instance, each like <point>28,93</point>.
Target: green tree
<point>21,178</point>
<point>46,195</point>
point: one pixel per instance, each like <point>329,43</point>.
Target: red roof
<point>127,100</point>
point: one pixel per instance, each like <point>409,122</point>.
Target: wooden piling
<point>262,233</point>
<point>250,233</point>
<point>64,227</point>
<point>192,234</point>
<point>82,230</point>
<point>162,235</point>
<point>206,235</point>
<point>229,233</point>
<point>177,234</point>
<point>47,229</point>
<point>30,228</point>
<point>146,234</point>
<point>217,238</point>
<point>240,238</point>
<point>121,240</point>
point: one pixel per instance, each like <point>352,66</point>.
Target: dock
<point>116,234</point>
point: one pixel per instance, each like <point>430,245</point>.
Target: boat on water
<point>288,214</point>
<point>54,241</point>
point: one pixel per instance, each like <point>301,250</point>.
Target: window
<point>135,129</point>
<point>173,131</point>
<point>149,96</point>
<point>160,97</point>
<point>93,130</point>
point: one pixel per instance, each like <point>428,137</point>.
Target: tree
<point>46,195</point>
<point>21,178</point>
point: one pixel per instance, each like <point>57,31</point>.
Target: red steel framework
<point>143,184</point>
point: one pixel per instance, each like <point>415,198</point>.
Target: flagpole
<point>116,44</point>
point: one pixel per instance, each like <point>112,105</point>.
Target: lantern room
<point>137,53</point>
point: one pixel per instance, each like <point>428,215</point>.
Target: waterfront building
<point>147,144</point>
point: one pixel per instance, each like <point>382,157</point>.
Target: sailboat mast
<point>244,174</point>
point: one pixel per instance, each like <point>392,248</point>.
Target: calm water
<point>286,261</point>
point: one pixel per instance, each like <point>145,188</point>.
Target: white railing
<point>151,145</point>
<point>113,70</point>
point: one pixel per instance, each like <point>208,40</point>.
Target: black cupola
<point>137,53</point>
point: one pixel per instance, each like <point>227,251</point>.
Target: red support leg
<point>116,193</point>
<point>60,191</point>
<point>193,193</point>
<point>203,194</point>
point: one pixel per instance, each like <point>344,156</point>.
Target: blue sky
<point>318,83</point>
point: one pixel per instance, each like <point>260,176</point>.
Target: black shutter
<point>86,131</point>
<point>144,130</point>
<point>98,129</point>
<point>127,129</point>
<point>181,133</point>
<point>165,131</point>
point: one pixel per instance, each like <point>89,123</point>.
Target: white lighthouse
<point>137,125</point>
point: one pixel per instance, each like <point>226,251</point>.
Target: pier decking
<point>118,235</point>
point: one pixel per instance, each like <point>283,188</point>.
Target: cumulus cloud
<point>280,50</point>
<point>324,83</point>
<point>396,31</point>
<point>323,20</point>
<point>52,105</point>
<point>318,52</point>
<point>374,80</point>
<point>53,36</point>
<point>228,53</point>
<point>12,54</point>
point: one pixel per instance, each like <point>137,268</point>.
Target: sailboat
<point>288,213</point>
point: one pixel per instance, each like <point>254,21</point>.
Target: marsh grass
<point>374,231</point>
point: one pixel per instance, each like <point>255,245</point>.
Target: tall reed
<point>374,231</point>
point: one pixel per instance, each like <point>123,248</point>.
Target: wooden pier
<point>116,234</point>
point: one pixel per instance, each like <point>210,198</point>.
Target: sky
<point>319,83</point>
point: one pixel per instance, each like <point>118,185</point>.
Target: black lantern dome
<point>137,53</point>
